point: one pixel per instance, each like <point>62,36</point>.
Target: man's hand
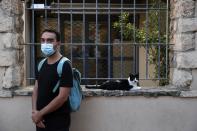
<point>40,124</point>
<point>38,119</point>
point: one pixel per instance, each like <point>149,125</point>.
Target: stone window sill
<point>146,92</point>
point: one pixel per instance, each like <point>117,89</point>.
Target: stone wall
<point>11,50</point>
<point>183,29</point>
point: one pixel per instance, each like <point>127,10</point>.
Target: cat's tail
<point>92,87</point>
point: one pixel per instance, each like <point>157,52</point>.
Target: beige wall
<point>111,114</point>
<point>142,70</point>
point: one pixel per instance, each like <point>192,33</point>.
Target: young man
<point>51,111</point>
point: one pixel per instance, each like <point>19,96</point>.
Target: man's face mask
<point>47,49</point>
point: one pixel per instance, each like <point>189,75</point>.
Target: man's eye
<point>42,40</point>
<point>50,40</point>
<point>47,40</point>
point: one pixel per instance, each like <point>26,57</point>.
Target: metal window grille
<point>104,39</point>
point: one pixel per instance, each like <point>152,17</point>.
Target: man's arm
<point>34,96</point>
<point>34,109</point>
<point>57,102</point>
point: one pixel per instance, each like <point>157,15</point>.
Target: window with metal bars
<point>104,39</point>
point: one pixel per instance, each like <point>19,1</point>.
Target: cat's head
<point>133,79</point>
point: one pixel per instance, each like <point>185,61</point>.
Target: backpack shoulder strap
<point>60,65</point>
<point>59,71</point>
<point>41,63</point>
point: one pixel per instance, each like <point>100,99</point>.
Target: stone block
<point>5,93</point>
<point>194,82</point>
<point>186,60</point>
<point>11,40</point>
<point>196,40</point>
<point>182,78</point>
<point>2,73</point>
<point>10,23</point>
<point>173,26</point>
<point>13,77</point>
<point>184,41</point>
<point>12,7</point>
<point>18,24</point>
<point>189,94</point>
<point>196,9</point>
<point>182,8</point>
<point>8,57</point>
<point>6,22</point>
<point>187,25</point>
<point>6,40</point>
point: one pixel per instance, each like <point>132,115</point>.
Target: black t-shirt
<point>47,78</point>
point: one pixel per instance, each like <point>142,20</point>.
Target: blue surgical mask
<point>47,49</point>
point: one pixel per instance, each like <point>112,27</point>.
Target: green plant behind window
<point>152,37</point>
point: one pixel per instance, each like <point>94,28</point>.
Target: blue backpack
<point>75,96</point>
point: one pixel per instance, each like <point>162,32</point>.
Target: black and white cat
<point>130,84</point>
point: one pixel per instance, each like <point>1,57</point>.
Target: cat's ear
<point>130,75</point>
<point>137,75</point>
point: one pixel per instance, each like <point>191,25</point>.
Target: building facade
<point>163,109</point>
<point>82,23</point>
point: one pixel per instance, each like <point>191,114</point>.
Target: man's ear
<point>58,43</point>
